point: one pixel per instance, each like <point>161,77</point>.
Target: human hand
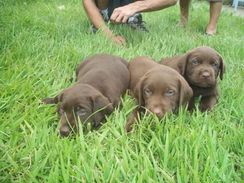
<point>120,40</point>
<point>121,14</point>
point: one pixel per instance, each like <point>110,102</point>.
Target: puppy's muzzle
<point>64,131</point>
<point>205,75</point>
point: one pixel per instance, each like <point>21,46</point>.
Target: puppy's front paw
<point>207,103</point>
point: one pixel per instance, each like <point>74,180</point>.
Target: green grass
<point>40,47</point>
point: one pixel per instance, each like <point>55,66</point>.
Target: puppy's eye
<point>170,92</point>
<point>194,62</point>
<point>81,111</point>
<point>215,64</point>
<point>147,92</point>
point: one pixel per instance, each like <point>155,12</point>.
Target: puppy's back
<point>107,73</point>
<point>138,67</point>
<point>100,62</point>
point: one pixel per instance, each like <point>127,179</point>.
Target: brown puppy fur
<point>200,67</point>
<point>157,88</point>
<point>101,80</point>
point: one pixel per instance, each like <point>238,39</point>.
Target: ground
<point>42,42</point>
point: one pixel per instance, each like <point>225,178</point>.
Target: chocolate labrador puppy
<point>200,67</point>
<point>157,88</point>
<point>101,80</point>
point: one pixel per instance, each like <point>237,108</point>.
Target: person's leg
<point>102,4</point>
<point>113,4</point>
<point>103,7</point>
<point>184,11</point>
<point>215,11</point>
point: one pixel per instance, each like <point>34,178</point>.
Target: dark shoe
<point>136,22</point>
<point>93,29</point>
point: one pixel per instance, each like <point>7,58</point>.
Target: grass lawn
<point>40,47</point>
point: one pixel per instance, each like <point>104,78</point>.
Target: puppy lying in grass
<point>101,80</point>
<point>200,67</point>
<point>156,88</point>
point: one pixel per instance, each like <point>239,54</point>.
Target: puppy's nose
<point>64,131</point>
<point>158,111</point>
<point>205,74</point>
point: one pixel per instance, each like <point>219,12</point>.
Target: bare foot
<point>182,24</point>
<point>183,21</point>
<point>211,30</point>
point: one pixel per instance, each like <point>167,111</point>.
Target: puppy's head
<point>80,102</point>
<point>162,90</point>
<point>201,66</point>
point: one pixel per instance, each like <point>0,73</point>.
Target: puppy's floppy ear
<point>182,63</point>
<point>101,107</point>
<point>54,100</point>
<point>221,67</point>
<point>101,102</point>
<point>185,93</point>
<point>138,91</point>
